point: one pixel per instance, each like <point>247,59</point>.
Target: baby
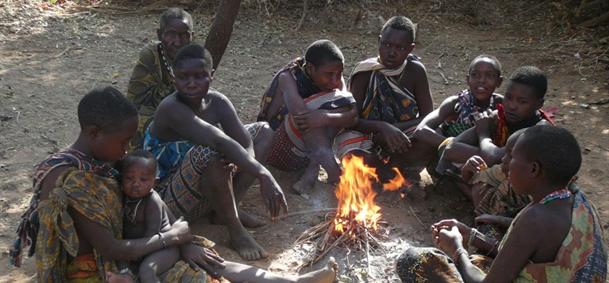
<point>145,213</point>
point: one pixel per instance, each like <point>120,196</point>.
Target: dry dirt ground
<point>49,58</point>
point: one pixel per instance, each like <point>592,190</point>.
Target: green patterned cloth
<point>150,82</point>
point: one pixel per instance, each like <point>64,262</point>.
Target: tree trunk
<point>221,29</point>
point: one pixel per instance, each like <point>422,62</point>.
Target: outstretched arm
<point>426,130</point>
<point>231,124</point>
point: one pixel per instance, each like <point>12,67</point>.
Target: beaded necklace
<point>556,195</point>
<point>165,63</point>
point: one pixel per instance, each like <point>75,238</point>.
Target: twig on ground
<point>305,7</point>
<point>307,212</point>
<point>415,215</point>
<point>63,52</point>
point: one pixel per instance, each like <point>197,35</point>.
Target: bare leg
<point>243,181</point>
<point>319,143</point>
<point>218,188</point>
<point>237,272</point>
<point>156,263</point>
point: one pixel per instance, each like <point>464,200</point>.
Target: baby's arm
<point>160,261</point>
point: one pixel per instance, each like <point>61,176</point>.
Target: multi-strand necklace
<point>556,195</point>
<point>165,63</point>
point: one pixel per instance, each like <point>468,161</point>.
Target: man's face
<point>327,76</point>
<point>192,79</point>
<point>174,36</point>
<point>394,47</point>
<point>520,102</point>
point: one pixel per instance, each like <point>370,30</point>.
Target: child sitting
<point>145,214</point>
<point>307,106</point>
<point>458,113</point>
<point>495,202</point>
<point>521,108</point>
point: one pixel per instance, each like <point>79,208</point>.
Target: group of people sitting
<point>113,203</point>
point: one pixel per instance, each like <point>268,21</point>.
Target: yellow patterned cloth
<point>95,197</point>
<point>150,82</point>
<point>100,200</point>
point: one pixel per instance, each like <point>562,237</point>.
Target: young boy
<point>392,95</point>
<point>144,213</point>
<point>307,105</point>
<point>556,238</point>
<point>459,112</point>
<point>521,108</point>
<point>153,78</point>
<point>194,130</point>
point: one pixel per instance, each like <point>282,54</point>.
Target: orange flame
<point>356,195</point>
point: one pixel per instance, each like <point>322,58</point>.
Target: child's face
<point>327,76</point>
<point>520,170</point>
<point>139,178</point>
<point>112,146</point>
<point>483,79</point>
<point>394,47</point>
<point>175,35</point>
<point>192,79</point>
<point>520,102</point>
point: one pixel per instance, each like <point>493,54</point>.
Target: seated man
<point>392,94</point>
<point>307,106</point>
<point>153,77</point>
<point>194,130</point>
<point>556,238</point>
<point>521,109</point>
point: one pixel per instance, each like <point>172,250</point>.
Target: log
<point>222,29</point>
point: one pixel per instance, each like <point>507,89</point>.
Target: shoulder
<point>154,200</point>
<point>534,219</point>
<point>50,179</point>
<point>416,67</point>
<point>218,99</point>
<point>149,52</point>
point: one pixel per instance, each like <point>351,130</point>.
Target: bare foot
<point>250,221</point>
<point>307,181</point>
<point>324,275</point>
<point>242,242</point>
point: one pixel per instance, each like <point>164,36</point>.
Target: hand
<point>464,230</point>
<point>273,195</point>
<point>179,233</point>
<point>473,165</point>
<point>449,240</point>
<point>206,259</point>
<point>394,138</point>
<point>485,121</point>
<point>487,219</point>
<point>310,120</point>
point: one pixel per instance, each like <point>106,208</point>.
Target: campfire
<point>357,221</point>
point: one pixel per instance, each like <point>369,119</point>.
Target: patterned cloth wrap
<point>99,199</point>
<point>467,112</point>
<point>288,152</point>
<point>28,226</point>
<point>151,81</point>
<point>496,198</point>
<point>180,166</point>
<point>503,130</point>
<point>581,258</point>
<point>385,100</point>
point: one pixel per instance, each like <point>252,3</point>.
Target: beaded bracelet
<point>457,254</point>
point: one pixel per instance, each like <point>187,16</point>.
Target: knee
<point>265,133</point>
<point>147,272</point>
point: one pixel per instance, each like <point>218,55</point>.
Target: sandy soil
<point>49,59</point>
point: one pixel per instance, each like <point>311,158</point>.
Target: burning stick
<point>357,221</point>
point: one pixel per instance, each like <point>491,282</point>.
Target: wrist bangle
<point>470,240</point>
<point>457,254</point>
<point>162,240</point>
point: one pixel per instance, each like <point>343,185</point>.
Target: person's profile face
<point>327,76</point>
<point>112,146</point>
